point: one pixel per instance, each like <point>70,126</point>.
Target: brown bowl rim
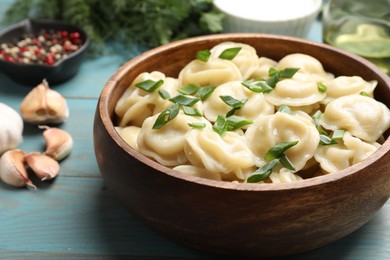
<point>310,182</point>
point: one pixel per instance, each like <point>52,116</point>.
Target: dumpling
<point>214,72</point>
<point>263,67</point>
<point>166,145</point>
<point>284,177</point>
<point>307,65</point>
<point>351,150</point>
<point>362,116</point>
<point>135,105</point>
<point>198,172</point>
<point>295,92</point>
<point>347,85</point>
<point>255,107</point>
<point>130,135</point>
<point>268,131</point>
<point>246,59</point>
<point>225,155</point>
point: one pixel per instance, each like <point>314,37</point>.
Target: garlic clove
<point>59,143</point>
<point>44,167</point>
<point>44,105</point>
<point>13,171</point>
<point>11,128</point>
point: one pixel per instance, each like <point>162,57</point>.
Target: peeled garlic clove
<point>11,128</point>
<point>59,143</point>
<point>43,166</point>
<point>13,171</point>
<point>44,105</point>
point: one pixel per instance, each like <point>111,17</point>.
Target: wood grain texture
<point>241,219</point>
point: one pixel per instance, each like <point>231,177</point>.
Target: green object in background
<point>128,23</point>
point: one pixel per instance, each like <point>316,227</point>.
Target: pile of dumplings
<point>347,104</point>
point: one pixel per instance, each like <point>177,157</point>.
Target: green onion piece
<point>188,89</point>
<point>203,55</point>
<point>149,85</point>
<point>264,172</point>
<point>316,118</point>
<point>338,134</point>
<point>253,86</point>
<point>166,116</point>
<point>204,92</point>
<point>272,71</point>
<point>321,87</point>
<point>326,140</point>
<point>220,125</point>
<point>232,102</point>
<point>184,100</point>
<point>273,80</point>
<point>230,53</point>
<point>278,150</point>
<point>191,111</point>
<point>288,73</point>
<point>285,109</point>
<point>164,94</point>
<point>363,93</point>
<point>286,162</point>
<point>197,125</point>
<point>235,122</point>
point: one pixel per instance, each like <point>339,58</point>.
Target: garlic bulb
<point>11,128</point>
<point>13,171</point>
<point>44,167</point>
<point>59,143</point>
<point>44,105</point>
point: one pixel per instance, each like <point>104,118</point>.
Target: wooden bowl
<point>234,218</point>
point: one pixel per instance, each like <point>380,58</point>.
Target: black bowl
<point>33,74</point>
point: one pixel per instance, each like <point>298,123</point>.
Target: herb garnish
<point>266,86</point>
<point>274,155</point>
<point>184,100</point>
<point>166,116</point>
<point>230,123</point>
<point>321,87</point>
<point>220,125</point>
<point>191,111</point>
<point>164,94</point>
<point>325,139</point>
<point>235,104</point>
<point>203,55</point>
<point>230,53</point>
<point>149,85</point>
<point>197,125</point>
<point>285,109</point>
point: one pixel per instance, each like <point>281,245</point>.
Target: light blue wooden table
<point>77,217</point>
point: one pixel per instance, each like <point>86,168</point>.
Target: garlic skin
<point>43,105</point>
<point>44,167</point>
<point>59,143</point>
<point>13,171</point>
<point>11,128</point>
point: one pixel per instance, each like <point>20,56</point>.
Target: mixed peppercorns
<point>46,48</point>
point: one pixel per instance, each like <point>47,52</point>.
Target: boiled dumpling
<point>130,135</point>
<point>362,116</point>
<point>263,67</point>
<point>246,59</point>
<point>349,151</point>
<point>268,131</point>
<point>198,172</point>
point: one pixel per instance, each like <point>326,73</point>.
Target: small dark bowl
<point>32,74</point>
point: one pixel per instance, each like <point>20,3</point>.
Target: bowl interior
<point>171,58</point>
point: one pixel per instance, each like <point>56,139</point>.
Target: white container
<point>283,17</point>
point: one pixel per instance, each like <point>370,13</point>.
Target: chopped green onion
<point>338,134</point>
<point>285,109</point>
<point>188,89</point>
<point>191,111</point>
<point>321,87</point>
<point>285,161</point>
<point>149,85</point>
<point>253,86</point>
<point>204,92</point>
<point>235,122</point>
<point>363,93</point>
<point>220,125</point>
<point>278,150</point>
<point>264,172</point>
<point>184,100</point>
<point>164,94</point>
<point>273,80</point>
<point>326,140</point>
<point>197,125</point>
<point>272,71</point>
<point>230,53</point>
<point>166,116</point>
<point>288,73</point>
<point>316,118</point>
<point>203,55</point>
